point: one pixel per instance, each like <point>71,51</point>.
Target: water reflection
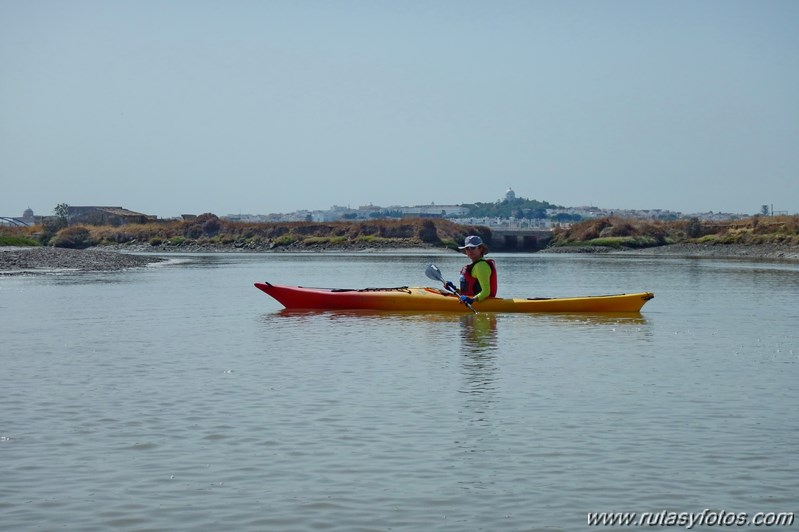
<point>480,342</point>
<point>478,328</point>
<point>479,388</point>
<point>479,332</point>
<point>606,318</point>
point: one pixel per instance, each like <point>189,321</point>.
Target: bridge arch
<point>14,221</point>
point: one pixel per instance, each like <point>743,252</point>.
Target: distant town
<point>507,211</point>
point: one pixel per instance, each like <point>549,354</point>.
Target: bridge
<point>519,238</point>
<point>13,221</point>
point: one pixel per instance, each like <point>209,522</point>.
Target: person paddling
<point>479,278</point>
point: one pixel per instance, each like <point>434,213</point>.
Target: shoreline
<point>44,260</point>
<point>721,251</point>
<point>701,251</point>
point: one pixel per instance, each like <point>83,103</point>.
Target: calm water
<point>180,397</point>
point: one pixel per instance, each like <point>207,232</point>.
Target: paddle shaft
<point>434,273</point>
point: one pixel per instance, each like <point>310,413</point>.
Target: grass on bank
<point>22,241</point>
<point>19,236</point>
<point>324,240</point>
<point>617,242</point>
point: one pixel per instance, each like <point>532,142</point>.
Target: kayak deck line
<point>646,295</point>
<point>426,299</point>
<point>337,290</point>
<point>394,289</point>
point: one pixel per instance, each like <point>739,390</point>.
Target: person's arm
<point>482,272</point>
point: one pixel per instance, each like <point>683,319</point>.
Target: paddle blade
<point>434,273</point>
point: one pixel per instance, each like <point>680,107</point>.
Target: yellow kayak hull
<point>423,299</point>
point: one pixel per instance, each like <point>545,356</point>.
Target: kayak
<point>423,299</point>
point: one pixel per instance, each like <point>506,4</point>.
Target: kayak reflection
<point>474,326</point>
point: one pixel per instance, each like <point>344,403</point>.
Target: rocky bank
<point>719,251</point>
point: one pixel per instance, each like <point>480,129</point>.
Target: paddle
<point>435,274</point>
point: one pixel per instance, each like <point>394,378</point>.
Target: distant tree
<point>53,224</point>
<point>565,217</point>
<point>694,228</point>
<point>212,225</point>
<point>428,232</point>
<point>61,211</point>
<point>386,214</point>
<point>764,210</point>
<point>381,215</point>
<point>510,208</point>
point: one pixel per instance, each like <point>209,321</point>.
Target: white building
<point>435,211</point>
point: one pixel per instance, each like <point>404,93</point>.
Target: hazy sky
<point>231,106</point>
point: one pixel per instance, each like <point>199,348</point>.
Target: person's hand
<point>466,300</point>
<point>449,286</point>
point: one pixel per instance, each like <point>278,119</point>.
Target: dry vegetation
<point>629,233</point>
<point>209,231</point>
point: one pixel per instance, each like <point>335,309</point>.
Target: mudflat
<point>32,260</point>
